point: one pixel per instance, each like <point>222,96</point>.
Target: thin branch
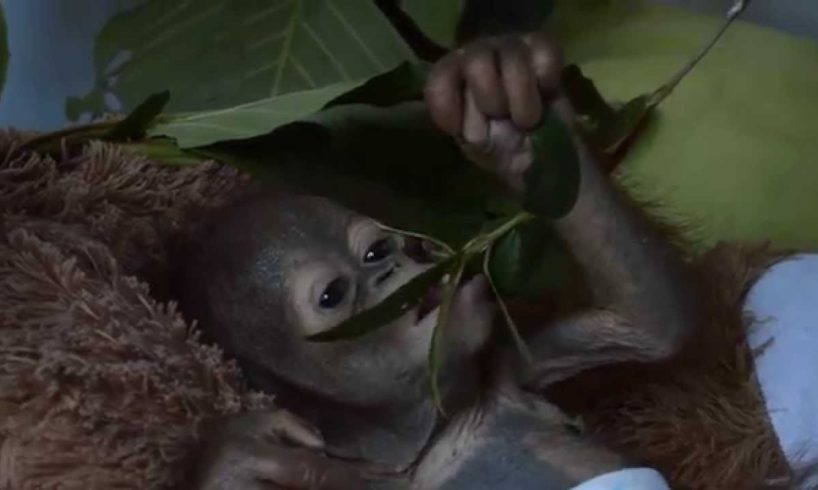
<point>662,92</point>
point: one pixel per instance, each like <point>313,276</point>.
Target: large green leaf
<point>438,19</point>
<point>393,165</point>
<point>402,83</point>
<point>250,119</point>
<point>733,148</point>
<point>4,49</point>
<point>213,54</point>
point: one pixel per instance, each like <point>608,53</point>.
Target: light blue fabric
<point>628,479</point>
<point>51,46</point>
<point>784,303</point>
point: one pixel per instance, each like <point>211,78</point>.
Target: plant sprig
<point>448,274</point>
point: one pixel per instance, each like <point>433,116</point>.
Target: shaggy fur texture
<point>101,386</point>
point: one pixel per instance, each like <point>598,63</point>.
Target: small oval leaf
<point>505,263</point>
<point>552,182</point>
<point>528,260</point>
<point>518,339</point>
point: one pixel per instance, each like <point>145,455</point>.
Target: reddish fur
<point>700,419</point>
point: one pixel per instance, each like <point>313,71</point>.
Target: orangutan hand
<point>270,450</point>
<point>491,93</point>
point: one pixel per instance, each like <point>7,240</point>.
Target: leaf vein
<point>355,36</point>
<point>246,110</point>
<point>222,129</point>
<point>323,47</point>
<point>266,40</point>
<point>171,14</point>
<point>259,70</point>
<point>288,40</point>
<point>249,106</point>
<point>261,15</point>
<point>170,33</point>
<point>303,72</point>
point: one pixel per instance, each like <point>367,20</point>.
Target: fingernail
<point>311,438</point>
<point>301,434</point>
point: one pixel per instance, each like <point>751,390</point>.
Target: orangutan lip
<point>429,302</point>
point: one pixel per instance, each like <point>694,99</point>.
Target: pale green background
<point>734,150</point>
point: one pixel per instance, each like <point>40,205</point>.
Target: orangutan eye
<point>379,250</point>
<point>334,293</point>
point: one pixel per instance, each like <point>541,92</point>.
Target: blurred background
<point>51,44</point>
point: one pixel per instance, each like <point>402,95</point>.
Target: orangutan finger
<point>294,429</point>
<point>564,110</point>
<point>475,126</point>
<point>525,106</point>
<point>301,469</point>
<point>482,78</point>
<point>443,94</point>
<point>546,61</point>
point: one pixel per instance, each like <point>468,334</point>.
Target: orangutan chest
<point>492,451</point>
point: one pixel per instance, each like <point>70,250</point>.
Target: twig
<point>662,92</point>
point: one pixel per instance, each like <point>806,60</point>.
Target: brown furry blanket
<point>101,386</point>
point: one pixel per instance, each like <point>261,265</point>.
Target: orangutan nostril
<point>384,276</point>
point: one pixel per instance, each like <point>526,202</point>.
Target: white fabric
<point>628,479</point>
<point>785,303</point>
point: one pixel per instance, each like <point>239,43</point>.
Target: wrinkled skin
<point>277,267</point>
<point>256,456</point>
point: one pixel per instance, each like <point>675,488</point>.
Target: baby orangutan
<point>276,268</point>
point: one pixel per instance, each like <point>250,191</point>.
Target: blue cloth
<point>784,303</point>
<point>628,479</point>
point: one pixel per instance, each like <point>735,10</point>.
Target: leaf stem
<point>435,351</point>
<point>662,92</point>
<point>449,250</point>
<point>482,242</point>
